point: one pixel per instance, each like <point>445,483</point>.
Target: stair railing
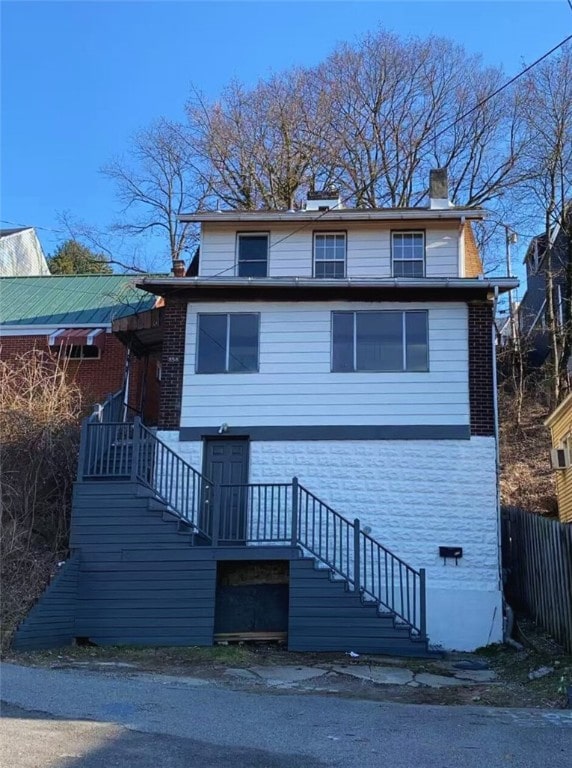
<point>368,566</point>
<point>184,490</point>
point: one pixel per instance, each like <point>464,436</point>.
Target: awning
<point>78,337</point>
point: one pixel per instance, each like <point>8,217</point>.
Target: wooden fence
<point>537,561</point>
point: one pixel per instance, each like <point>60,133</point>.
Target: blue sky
<point>78,78</point>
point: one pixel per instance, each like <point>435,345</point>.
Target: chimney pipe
<point>178,268</point>
<point>438,189</point>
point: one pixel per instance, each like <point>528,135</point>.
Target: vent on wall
<point>560,458</point>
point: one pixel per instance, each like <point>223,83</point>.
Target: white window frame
<point>423,260</point>
<point>355,369</point>
<point>337,233</point>
<point>227,370</point>
<point>237,251</point>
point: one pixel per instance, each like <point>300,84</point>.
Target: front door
<point>226,464</point>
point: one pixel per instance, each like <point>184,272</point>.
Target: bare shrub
<point>40,410</point>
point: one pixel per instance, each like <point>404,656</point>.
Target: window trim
<point>247,233</point>
<point>355,312</point>
<point>343,232</point>
<point>423,232</point>
<point>227,344</point>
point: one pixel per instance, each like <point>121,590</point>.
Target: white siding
<point>295,386</point>
<point>368,249</point>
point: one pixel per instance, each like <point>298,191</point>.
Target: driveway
<point>80,719</point>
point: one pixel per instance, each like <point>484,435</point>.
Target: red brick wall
<point>174,320</point>
<point>97,378</point>
<point>481,380</point>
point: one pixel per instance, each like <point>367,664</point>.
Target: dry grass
<point>527,480</point>
<point>40,411</point>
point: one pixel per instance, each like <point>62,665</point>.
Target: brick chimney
<point>438,189</point>
<point>179,268</point>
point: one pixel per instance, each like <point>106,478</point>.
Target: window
<point>86,352</point>
<point>253,255</point>
<point>408,254</point>
<point>227,343</point>
<point>380,341</point>
<point>330,254</point>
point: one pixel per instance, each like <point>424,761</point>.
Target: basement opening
<point>252,600</point>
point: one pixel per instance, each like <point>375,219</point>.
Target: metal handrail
<point>187,492</point>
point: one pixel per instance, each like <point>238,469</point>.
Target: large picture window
<point>227,343</point>
<point>380,341</point>
<point>330,254</point>
<point>408,254</point>
<point>252,255</point>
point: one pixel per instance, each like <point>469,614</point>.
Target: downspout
<point>508,618</point>
<point>461,248</point>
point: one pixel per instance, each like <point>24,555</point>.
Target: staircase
<point>150,529</point>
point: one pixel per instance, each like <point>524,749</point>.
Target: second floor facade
<point>343,244</point>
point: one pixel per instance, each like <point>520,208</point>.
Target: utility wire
<point>440,133</point>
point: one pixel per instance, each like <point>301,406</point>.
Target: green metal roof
<point>70,299</point>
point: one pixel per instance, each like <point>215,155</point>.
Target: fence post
<point>422,604</point>
<point>357,567</point>
<point>216,498</point>
<point>82,456</point>
<point>136,448</point>
<point>295,492</point>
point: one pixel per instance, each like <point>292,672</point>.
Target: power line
<point>440,133</point>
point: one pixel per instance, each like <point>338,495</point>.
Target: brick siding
<point>481,381</point>
<point>96,378</point>
<point>173,355</point>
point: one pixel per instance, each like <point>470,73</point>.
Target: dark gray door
<point>226,464</point>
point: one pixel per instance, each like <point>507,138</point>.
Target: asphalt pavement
<point>79,719</point>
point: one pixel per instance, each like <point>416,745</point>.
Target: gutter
<point>393,214</point>
<point>502,284</point>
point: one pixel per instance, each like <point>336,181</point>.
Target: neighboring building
<point>70,316</point>
<point>560,424</point>
<point>21,253</point>
<point>532,309</point>
<point>325,462</point>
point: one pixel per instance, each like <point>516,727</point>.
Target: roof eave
<point>389,214</point>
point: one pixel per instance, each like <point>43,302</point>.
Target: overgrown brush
<point>40,411</point>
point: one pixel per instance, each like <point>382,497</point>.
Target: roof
<point>8,232</point>
<point>559,411</point>
<point>339,214</point>
<point>311,289</point>
<point>70,299</point>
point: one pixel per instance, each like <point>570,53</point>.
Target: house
<point>324,466</point>
<point>70,316</point>
<point>21,253</point>
<point>560,424</point>
<point>532,310</point>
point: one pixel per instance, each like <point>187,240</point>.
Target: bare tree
<point>546,111</point>
<point>401,106</point>
<point>261,147</point>
<point>156,182</point>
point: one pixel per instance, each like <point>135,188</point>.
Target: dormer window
<point>330,254</point>
<point>408,254</point>
<point>252,260</point>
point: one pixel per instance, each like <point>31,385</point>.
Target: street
<point>80,719</point>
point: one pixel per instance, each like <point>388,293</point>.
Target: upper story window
<point>380,341</point>
<point>252,255</point>
<point>227,343</point>
<point>330,254</point>
<point>408,254</point>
